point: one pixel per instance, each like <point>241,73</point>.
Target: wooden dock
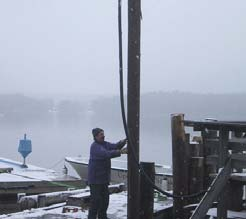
<point>14,179</point>
<point>76,206</point>
<point>208,169</point>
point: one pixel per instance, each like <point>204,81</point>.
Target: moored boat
<point>163,173</point>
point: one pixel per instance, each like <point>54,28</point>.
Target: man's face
<point>100,137</point>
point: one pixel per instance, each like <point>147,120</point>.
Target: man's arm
<point>118,146</point>
<point>102,153</point>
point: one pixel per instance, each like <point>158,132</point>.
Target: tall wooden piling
<point>180,164</point>
<point>223,149</point>
<point>133,104</point>
<point>235,188</point>
<point>147,191</point>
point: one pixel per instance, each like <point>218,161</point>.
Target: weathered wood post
<point>147,191</point>
<point>235,188</point>
<point>133,105</point>
<point>223,156</point>
<point>180,164</point>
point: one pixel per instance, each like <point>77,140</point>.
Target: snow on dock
<point>117,209</point>
<point>15,179</point>
<point>76,197</point>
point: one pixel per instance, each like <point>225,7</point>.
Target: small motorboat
<point>163,173</point>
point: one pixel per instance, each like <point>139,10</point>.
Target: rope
<point>122,102</point>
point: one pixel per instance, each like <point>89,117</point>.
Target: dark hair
<point>96,131</point>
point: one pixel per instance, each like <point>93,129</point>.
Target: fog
<point>58,46</point>
<point>63,127</point>
<point>59,72</point>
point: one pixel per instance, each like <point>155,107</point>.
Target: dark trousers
<point>99,201</point>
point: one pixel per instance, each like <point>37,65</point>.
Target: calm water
<point>53,140</point>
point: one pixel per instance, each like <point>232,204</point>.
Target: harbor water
<point>53,140</point>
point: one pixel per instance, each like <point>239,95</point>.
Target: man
<point>99,169</point>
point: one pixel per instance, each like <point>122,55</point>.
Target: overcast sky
<point>71,46</point>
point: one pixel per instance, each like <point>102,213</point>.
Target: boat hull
<point>118,175</point>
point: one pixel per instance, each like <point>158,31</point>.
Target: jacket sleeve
<point>119,145</point>
<point>102,153</point>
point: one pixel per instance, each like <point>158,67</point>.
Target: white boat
<point>163,173</point>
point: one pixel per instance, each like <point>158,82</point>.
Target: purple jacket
<point>100,161</point>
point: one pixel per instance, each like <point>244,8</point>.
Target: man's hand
<point>123,151</point>
<point>123,142</point>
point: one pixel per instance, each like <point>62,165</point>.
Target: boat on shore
<point>163,173</point>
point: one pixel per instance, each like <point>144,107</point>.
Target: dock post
<point>223,155</point>
<point>180,164</point>
<point>147,191</point>
<point>133,106</point>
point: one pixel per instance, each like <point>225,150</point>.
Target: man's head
<point>98,135</point>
